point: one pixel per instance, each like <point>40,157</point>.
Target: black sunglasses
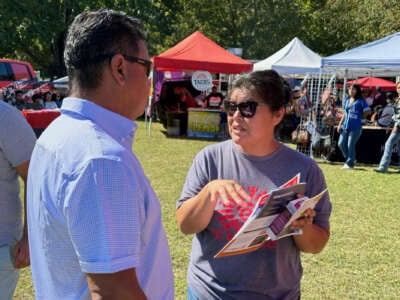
<point>144,62</point>
<point>247,109</point>
<point>133,59</point>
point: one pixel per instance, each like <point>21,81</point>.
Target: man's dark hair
<point>18,92</point>
<point>268,85</point>
<point>93,38</point>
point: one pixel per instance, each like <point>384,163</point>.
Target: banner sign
<point>203,123</point>
<point>202,80</point>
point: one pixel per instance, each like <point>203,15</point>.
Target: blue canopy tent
<point>377,58</point>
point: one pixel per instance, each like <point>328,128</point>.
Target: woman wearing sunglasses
<point>222,187</point>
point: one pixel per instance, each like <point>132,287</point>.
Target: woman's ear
<point>278,115</point>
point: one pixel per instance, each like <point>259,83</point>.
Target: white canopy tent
<point>294,59</point>
<point>377,58</point>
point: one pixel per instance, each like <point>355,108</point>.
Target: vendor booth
<point>185,70</point>
<point>377,58</point>
<point>294,59</point>
<point>369,147</point>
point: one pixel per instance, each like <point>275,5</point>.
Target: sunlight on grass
<point>361,260</point>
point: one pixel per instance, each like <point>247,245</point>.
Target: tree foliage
<point>35,30</point>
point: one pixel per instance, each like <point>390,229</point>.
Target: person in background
<point>304,104</point>
<point>394,137</point>
<point>350,125</point>
<point>185,99</point>
<point>93,218</point>
<point>292,107</point>
<point>55,97</point>
<point>379,98</point>
<point>367,95</point>
<point>17,140</point>
<point>19,100</point>
<point>214,99</point>
<point>48,102</point>
<point>36,102</point>
<point>222,187</point>
<point>383,116</point>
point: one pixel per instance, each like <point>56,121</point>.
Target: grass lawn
<point>361,260</point>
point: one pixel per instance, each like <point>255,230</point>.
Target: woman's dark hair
<point>357,87</point>
<point>93,38</point>
<point>391,96</point>
<point>45,95</point>
<point>267,85</point>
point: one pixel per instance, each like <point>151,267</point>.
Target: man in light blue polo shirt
<point>17,140</point>
<point>94,220</point>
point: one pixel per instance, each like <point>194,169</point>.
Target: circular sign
<point>202,80</point>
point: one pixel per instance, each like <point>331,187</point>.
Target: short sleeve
<point>315,185</point>
<point>19,138</point>
<point>196,178</point>
<point>103,216</point>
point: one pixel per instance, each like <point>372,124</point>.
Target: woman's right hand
<point>228,191</point>
<point>195,213</point>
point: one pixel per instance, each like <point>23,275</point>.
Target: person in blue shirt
<point>350,125</point>
<point>94,221</point>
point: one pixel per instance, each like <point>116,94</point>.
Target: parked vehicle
<point>19,72</point>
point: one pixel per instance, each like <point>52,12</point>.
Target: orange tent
<point>197,52</point>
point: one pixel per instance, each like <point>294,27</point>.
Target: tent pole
<point>344,86</point>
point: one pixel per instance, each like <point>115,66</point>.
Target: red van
<point>16,70</point>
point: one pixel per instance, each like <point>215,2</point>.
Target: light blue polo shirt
<point>91,208</point>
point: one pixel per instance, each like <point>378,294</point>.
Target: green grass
<point>361,260</point>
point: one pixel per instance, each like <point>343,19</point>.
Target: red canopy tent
<point>197,52</point>
<point>373,82</point>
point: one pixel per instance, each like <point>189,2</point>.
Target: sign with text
<point>202,80</point>
<point>203,123</point>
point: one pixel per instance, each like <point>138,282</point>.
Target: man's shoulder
<point>7,110</point>
<point>79,139</point>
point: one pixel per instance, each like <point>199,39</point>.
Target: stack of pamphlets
<point>271,218</point>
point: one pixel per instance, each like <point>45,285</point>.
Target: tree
<point>259,27</point>
<point>35,30</point>
<point>343,24</point>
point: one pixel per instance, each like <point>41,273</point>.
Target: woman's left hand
<point>306,219</point>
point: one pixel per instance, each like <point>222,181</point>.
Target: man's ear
<point>118,68</point>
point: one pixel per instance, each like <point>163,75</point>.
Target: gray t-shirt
<point>17,140</point>
<point>272,272</point>
<point>386,117</point>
